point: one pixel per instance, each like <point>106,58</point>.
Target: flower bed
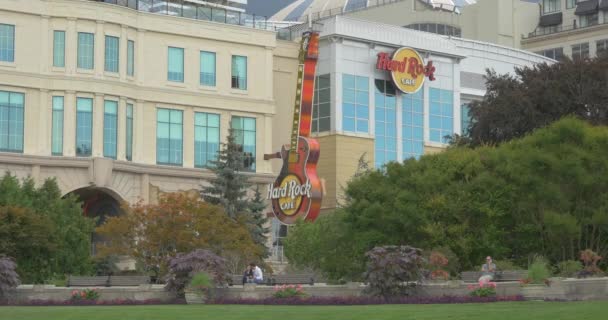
<point>329,301</point>
<point>115,302</point>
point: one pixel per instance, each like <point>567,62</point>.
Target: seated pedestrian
<point>258,276</point>
<point>248,275</point>
<point>488,270</point>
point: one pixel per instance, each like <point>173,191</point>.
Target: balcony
<point>545,31</point>
<point>190,9</point>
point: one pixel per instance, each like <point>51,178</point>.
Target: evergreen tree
<point>257,223</point>
<point>228,188</point>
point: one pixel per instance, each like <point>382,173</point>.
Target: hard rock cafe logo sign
<point>407,69</point>
<point>289,194</point>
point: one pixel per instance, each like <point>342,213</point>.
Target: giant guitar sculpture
<point>297,192</point>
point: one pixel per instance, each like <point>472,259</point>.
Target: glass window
<point>244,132</point>
<point>207,76</point>
<point>355,103</point>
<point>176,65</point>
<point>588,20</point>
<point>239,72</point>
<point>84,127</point>
<point>11,121</point>
<point>465,119</point>
<point>580,51</point>
<point>110,125</point>
<point>169,131</point>
<point>555,53</point>
<point>602,46</point>
<point>412,125</point>
<point>130,58</point>
<point>570,4</point>
<point>551,6</point>
<point>129,132</point>
<point>352,5</point>
<point>386,123</point>
<point>321,110</point>
<point>7,42</point>
<point>111,56</point>
<point>57,127</point>
<point>59,49</point>
<point>441,115</point>
<point>206,138</point>
<point>86,50</point>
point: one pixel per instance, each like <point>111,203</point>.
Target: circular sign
<point>409,74</point>
<point>290,203</point>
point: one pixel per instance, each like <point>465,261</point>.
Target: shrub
<point>201,283</point>
<point>538,271</point>
<point>9,279</point>
<point>183,267</point>
<point>351,301</point>
<point>391,268</point>
<point>569,268</point>
<point>590,260</point>
<point>437,263</point>
<point>483,289</point>
<point>506,265</point>
<point>86,295</point>
<point>291,291</point>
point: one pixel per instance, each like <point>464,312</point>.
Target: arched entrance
<point>98,203</point>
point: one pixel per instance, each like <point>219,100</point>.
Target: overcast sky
<point>266,7</point>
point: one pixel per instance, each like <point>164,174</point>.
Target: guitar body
<point>301,173</point>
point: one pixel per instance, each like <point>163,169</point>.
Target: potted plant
<point>198,290</point>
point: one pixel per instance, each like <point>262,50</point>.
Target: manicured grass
<point>490,311</point>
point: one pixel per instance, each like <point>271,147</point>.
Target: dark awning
<point>584,8</point>
<point>550,19</point>
<point>604,5</point>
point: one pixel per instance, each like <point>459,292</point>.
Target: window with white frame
<point>580,51</point>
<point>550,6</point>
<point>355,103</point>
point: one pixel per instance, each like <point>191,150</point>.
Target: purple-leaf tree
<point>9,279</point>
<point>391,270</point>
<point>185,265</point>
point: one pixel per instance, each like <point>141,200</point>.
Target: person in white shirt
<point>258,276</point>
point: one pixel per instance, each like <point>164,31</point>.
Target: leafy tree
<point>153,234</point>
<point>258,222</point>
<point>543,194</point>
<point>229,187</point>
<point>390,269</point>
<point>58,224</point>
<point>9,279</point>
<point>534,97</point>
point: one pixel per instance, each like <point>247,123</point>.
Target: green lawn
<point>492,311</point>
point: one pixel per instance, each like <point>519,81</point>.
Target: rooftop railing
<point>193,10</point>
<point>539,32</point>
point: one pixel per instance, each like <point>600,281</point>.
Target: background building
<point>120,104</point>
<point>358,111</point>
<point>577,29</point>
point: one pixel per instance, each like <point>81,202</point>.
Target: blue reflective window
<point>175,69</point>
<point>244,132</point>
<point>207,73</point>
<point>11,121</point>
<point>59,49</point>
<point>110,128</point>
<point>465,119</point>
<point>412,126</point>
<point>84,127</point>
<point>206,138</point>
<point>355,99</point>
<point>386,123</point>
<point>239,72</point>
<point>86,50</point>
<point>441,115</point>
<point>169,132</point>
<point>129,132</point>
<point>130,58</point>
<point>57,127</point>
<point>7,42</point>
<point>111,56</point>
<point>355,5</point>
<point>321,110</point>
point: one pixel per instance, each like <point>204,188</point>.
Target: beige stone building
<point>120,104</point>
<point>576,29</point>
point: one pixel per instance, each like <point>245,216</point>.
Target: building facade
<point>576,29</point>
<point>120,104</point>
<point>359,113</point>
